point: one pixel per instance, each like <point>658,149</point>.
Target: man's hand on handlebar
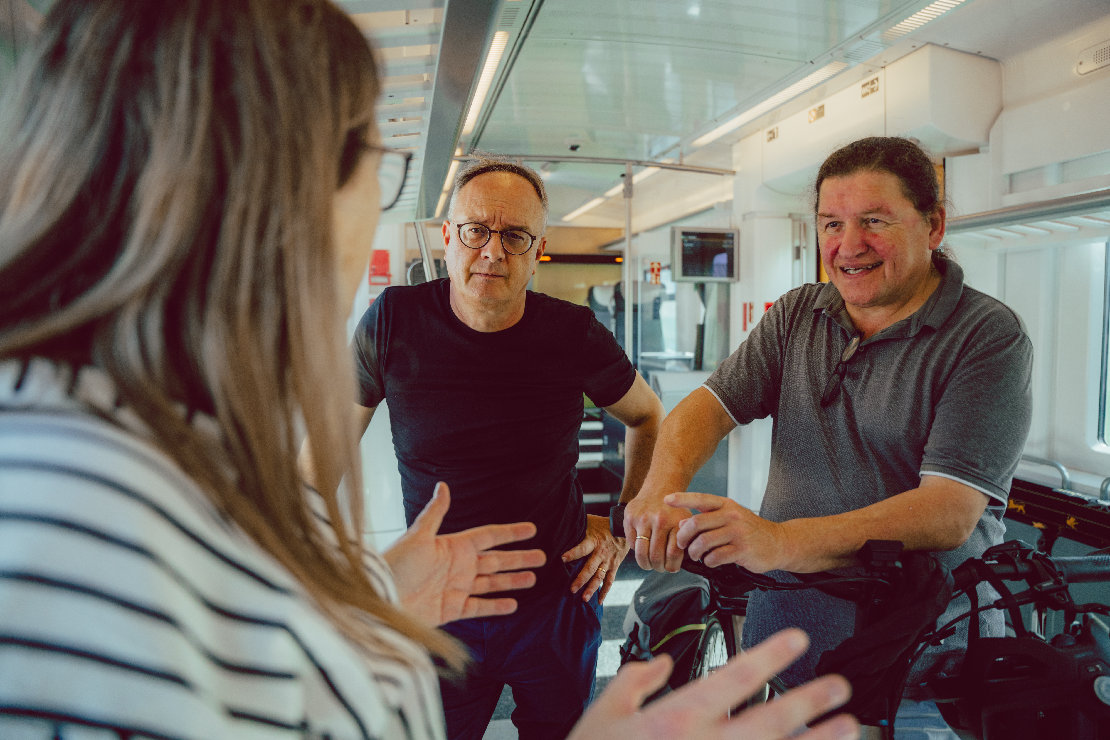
<point>725,532</point>
<point>700,710</point>
<point>651,526</point>
<point>661,530</point>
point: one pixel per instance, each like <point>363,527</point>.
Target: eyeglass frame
<point>383,150</point>
<point>533,237</point>
<point>836,379</point>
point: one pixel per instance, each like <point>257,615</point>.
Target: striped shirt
<point>129,608</point>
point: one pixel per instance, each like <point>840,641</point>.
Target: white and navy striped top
<point>130,609</point>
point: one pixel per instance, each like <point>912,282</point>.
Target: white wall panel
<point>1078,361</point>
<point>1030,289</point>
<point>798,144</point>
<point>1067,125</point>
<point>381,483</point>
<point>766,272</point>
<point>946,99</point>
<point>982,269</point>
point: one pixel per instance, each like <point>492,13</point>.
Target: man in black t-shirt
<point>485,384</point>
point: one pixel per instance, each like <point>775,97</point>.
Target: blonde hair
<point>169,170</point>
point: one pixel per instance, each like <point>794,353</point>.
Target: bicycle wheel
<point>719,642</point>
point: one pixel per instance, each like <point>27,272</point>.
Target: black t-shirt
<point>494,415</point>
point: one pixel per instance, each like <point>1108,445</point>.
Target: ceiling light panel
<point>920,18</point>
<point>485,80</point>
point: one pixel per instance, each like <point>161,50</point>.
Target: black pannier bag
<point>666,616</point>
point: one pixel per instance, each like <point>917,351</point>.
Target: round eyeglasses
<point>513,241</point>
<point>393,170</point>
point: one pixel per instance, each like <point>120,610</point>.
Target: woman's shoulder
<point>128,582</point>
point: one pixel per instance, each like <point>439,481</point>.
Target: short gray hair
<point>484,162</point>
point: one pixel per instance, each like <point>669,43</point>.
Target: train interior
<point>656,121</point>
<point>659,123</point>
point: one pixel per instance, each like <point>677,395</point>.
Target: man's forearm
<point>641,412</point>
<point>639,443</point>
<point>688,437</point>
<point>939,515</point>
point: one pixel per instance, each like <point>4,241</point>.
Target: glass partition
<point>677,326</point>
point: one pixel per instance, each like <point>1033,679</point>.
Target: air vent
<point>1096,57</point>
<point>509,15</point>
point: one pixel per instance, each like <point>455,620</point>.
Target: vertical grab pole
<point>626,272</point>
<point>425,253</point>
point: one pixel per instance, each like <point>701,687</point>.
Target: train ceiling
<point>642,81</point>
<point>585,86</point>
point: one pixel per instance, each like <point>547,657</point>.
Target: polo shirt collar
<point>933,313</point>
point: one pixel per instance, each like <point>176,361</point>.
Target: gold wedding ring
<point>643,537</point>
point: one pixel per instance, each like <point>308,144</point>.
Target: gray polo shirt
<point>944,392</point>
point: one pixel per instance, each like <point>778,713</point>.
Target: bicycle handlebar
<point>1084,569</point>
<point>903,582</point>
<point>1079,569</point>
<point>1005,565</point>
<point>737,578</point>
<point>1028,684</point>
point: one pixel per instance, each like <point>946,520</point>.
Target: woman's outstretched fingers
<point>744,675</point>
<point>701,709</point>
<point>789,713</point>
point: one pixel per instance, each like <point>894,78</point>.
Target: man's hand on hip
<point>604,553</point>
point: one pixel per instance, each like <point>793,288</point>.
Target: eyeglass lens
<point>513,241</point>
<point>392,171</point>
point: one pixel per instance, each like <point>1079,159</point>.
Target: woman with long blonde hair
<point>181,182</point>
<point>188,192</point>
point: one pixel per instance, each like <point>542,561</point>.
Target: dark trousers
<point>547,653</point>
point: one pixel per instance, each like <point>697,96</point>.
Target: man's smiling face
<point>876,247</point>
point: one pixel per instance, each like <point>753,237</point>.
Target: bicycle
<point>1027,686</point>
<point>1023,686</point>
<point>711,627</point>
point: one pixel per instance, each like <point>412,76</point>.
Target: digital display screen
<point>704,255</point>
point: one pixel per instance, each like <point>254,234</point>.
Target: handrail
<point>1104,489</point>
<point>1048,209</point>
<point>1065,476</point>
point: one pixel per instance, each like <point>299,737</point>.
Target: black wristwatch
<point>616,520</point>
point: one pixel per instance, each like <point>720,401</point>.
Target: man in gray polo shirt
<point>900,399</point>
